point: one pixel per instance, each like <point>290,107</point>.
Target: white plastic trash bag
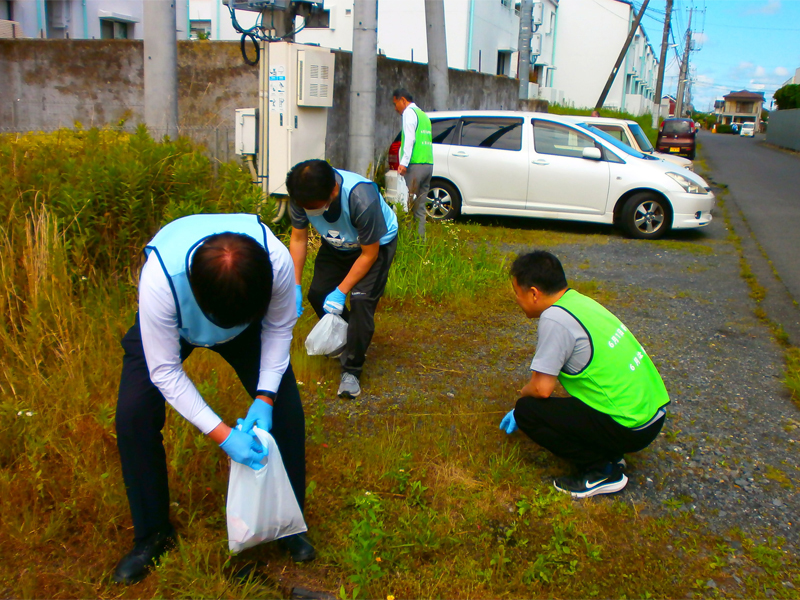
<point>261,504</point>
<point>396,191</point>
<point>329,335</point>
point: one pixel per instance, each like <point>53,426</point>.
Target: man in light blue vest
<point>416,153</point>
<point>226,283</point>
<point>617,399</point>
<point>359,240</point>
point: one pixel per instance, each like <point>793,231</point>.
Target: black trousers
<point>330,269</point>
<point>577,432</point>
<point>141,413</point>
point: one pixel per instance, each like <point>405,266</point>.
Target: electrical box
<point>536,44</point>
<point>257,5</point>
<point>246,138</point>
<point>315,78</point>
<point>300,90</point>
<point>538,13</point>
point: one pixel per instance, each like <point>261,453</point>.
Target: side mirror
<point>592,153</point>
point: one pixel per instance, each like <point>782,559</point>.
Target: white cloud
<point>756,86</point>
<point>700,38</point>
<point>769,8</point>
<point>781,71</point>
<point>760,72</point>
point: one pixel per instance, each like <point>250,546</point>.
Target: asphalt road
<point>765,184</point>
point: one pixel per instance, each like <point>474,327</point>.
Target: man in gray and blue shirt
<point>359,240</point>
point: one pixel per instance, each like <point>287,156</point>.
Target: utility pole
<point>623,52</point>
<point>661,65</point>
<point>160,68</point>
<point>524,45</point>
<point>437,53</point>
<point>684,70</point>
<point>363,84</point>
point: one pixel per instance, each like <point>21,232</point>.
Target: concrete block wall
<point>47,84</point>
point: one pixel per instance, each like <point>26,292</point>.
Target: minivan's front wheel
<point>646,216</point>
<point>443,202</point>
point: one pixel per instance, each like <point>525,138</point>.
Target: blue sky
<point>741,44</point>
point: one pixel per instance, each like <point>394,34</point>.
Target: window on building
<point>199,30</point>
<point>499,134</point>
<point>551,138</point>
<point>114,30</point>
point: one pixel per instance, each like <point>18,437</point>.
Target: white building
<point>85,19</point>
<point>590,37</point>
<point>482,35</point>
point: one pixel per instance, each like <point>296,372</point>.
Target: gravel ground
<point>728,452</point>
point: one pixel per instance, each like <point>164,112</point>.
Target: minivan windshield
<point>613,141</point>
<point>641,138</point>
<point>676,126</point>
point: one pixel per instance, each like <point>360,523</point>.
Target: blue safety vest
<point>174,245</point>
<point>341,234</point>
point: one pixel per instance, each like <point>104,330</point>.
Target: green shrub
<point>788,97</point>
<point>724,128</point>
<point>645,120</point>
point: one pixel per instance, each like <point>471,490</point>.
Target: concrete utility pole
<point>524,45</point>
<point>363,85</point>
<point>684,70</point>
<point>437,53</point>
<point>160,68</point>
<point>661,66</point>
<point>623,52</point>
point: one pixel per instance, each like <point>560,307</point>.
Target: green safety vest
<point>620,379</point>
<point>422,153</point>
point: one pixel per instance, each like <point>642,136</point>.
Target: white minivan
<point>748,129</point>
<point>527,164</point>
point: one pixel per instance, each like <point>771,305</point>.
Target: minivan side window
<point>551,138</point>
<point>615,132</point>
<point>496,133</point>
<point>443,130</point>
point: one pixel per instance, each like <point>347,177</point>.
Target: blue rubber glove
<point>509,423</point>
<point>298,298</point>
<point>334,302</point>
<point>244,448</point>
<point>260,414</point>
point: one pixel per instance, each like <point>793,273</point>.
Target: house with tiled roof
<point>740,107</point>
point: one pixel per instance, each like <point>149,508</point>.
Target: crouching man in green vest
<point>617,399</point>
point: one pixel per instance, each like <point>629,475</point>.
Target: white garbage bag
<point>329,335</point>
<point>261,504</point>
<point>396,191</point>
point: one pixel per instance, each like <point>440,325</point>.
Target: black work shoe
<point>299,547</point>
<point>608,480</point>
<point>136,564</point>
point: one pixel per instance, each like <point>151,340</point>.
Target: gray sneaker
<point>349,387</point>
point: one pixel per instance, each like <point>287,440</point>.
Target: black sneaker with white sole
<point>609,480</point>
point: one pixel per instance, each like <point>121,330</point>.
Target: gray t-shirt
<point>366,213</point>
<point>563,344</point>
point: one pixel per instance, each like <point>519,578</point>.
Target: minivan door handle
<point>460,154</point>
<point>541,162</point>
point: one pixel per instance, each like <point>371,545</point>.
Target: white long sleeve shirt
<point>410,122</point>
<point>158,319</point>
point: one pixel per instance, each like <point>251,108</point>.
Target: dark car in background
<point>677,136</point>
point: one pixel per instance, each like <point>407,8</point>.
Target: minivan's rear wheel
<point>443,202</point>
<point>646,216</point>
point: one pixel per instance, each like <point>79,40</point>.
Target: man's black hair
<point>231,279</point>
<point>310,181</point>
<point>402,93</point>
<point>541,270</point>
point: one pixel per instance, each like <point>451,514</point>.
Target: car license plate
<point>674,149</point>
